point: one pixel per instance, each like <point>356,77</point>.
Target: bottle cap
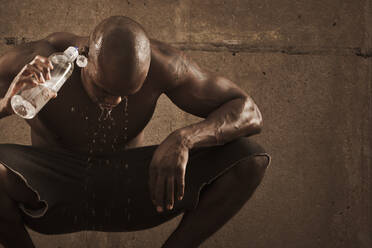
<point>71,53</point>
<point>81,61</point>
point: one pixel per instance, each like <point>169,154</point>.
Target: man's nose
<point>113,100</point>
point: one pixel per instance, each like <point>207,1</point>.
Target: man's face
<point>93,86</point>
<point>118,64</point>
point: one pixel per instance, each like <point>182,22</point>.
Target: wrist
<point>5,108</point>
<point>183,138</point>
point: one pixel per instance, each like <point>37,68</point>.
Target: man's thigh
<point>111,193</point>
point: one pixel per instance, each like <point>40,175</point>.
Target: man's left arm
<point>234,118</point>
<point>228,113</point>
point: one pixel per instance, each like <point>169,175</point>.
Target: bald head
<point>119,49</point>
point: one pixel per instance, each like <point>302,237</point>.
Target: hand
<point>32,74</point>
<point>167,172</point>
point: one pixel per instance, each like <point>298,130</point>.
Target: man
<point>88,170</point>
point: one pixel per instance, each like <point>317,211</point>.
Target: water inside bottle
<point>28,102</point>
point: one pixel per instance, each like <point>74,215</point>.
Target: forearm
<point>236,118</point>
<point>4,112</point>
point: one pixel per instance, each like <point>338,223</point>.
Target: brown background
<point>308,66</point>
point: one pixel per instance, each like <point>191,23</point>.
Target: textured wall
<point>308,66</point>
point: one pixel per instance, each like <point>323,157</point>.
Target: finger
<point>54,94</point>
<point>152,182</point>
<point>29,80</point>
<point>25,82</point>
<point>170,193</point>
<point>44,68</point>
<point>31,69</point>
<point>49,76</point>
<point>180,178</point>
<point>159,197</point>
<point>43,60</point>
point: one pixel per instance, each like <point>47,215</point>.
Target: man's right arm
<point>4,111</point>
<point>5,81</point>
<point>26,64</point>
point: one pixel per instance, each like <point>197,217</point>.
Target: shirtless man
<point>85,172</point>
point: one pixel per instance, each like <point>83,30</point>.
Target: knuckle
<point>153,167</point>
<point>163,169</point>
<point>39,58</point>
<point>180,171</point>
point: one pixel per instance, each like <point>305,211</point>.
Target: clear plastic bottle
<point>29,101</point>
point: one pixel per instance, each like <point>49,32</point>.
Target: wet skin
<point>71,120</point>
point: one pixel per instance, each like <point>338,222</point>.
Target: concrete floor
<point>308,66</point>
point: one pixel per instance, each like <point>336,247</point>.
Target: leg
<point>12,190</point>
<point>214,208</point>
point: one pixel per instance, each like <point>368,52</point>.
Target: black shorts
<point>110,193</point>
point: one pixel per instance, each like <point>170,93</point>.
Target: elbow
<point>256,126</point>
<point>255,123</point>
<point>259,120</point>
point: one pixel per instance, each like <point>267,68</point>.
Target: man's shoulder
<point>15,58</point>
<point>12,61</point>
<point>61,40</point>
<point>164,61</point>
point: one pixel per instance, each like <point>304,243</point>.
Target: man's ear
<point>84,51</point>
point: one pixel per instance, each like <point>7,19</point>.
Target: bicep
<point>198,92</point>
<point>12,62</point>
<point>5,75</point>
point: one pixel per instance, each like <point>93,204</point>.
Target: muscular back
<point>72,120</point>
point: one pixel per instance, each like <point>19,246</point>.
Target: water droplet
<point>129,200</point>
<point>86,118</point>
<point>128,216</point>
<point>126,166</point>
<point>126,103</point>
<point>94,141</point>
<point>105,112</point>
<point>107,161</point>
<point>72,109</point>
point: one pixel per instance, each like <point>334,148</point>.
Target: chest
<point>75,120</point>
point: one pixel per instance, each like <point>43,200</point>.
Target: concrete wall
<point>308,66</point>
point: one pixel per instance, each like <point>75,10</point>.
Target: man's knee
<point>251,170</point>
<point>244,147</point>
<point>9,212</point>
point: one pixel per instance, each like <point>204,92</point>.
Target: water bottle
<point>29,101</point>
